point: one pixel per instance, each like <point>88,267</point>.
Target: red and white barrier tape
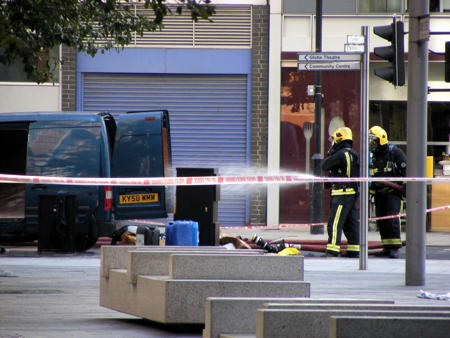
<point>298,225</point>
<point>324,223</point>
<point>205,180</point>
<point>218,180</point>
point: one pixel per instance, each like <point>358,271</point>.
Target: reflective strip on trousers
<point>391,241</point>
<point>353,247</point>
<point>335,248</point>
<point>337,216</point>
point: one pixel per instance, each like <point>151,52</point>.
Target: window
<point>381,6</point>
<point>15,72</point>
<point>439,6</point>
<point>391,116</point>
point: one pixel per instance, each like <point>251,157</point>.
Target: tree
<point>29,28</point>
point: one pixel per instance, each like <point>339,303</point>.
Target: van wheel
<point>86,241</point>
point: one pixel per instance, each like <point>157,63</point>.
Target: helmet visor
<point>373,142</point>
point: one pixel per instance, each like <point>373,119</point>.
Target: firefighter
<point>387,160</point>
<point>342,161</point>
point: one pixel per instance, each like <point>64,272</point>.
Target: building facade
<point>293,23</point>
<point>238,102</point>
<point>211,76</point>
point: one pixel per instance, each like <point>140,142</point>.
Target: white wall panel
<point>16,97</point>
<point>297,33</point>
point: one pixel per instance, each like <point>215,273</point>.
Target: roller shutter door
<point>208,115</point>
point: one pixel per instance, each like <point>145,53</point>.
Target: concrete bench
<point>381,326</point>
<point>116,256</point>
<point>356,306</point>
<point>398,327</point>
<point>158,262</point>
<point>237,267</point>
<point>237,315</point>
<point>179,296</point>
<point>168,300</point>
<point>314,321</point>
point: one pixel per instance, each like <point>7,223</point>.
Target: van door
<point>65,149</point>
<point>141,149</point>
<point>13,138</point>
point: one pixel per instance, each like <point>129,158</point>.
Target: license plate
<point>138,198</point>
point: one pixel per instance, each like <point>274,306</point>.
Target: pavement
<point>55,295</point>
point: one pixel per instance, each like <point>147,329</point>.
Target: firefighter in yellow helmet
<point>342,161</point>
<point>387,160</point>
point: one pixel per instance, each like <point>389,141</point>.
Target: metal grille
<point>231,27</point>
<point>208,117</point>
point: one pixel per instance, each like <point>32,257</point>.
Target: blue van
<point>82,144</point>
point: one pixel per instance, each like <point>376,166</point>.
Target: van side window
<point>68,152</point>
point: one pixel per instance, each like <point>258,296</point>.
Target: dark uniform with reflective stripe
<point>388,161</point>
<point>343,162</point>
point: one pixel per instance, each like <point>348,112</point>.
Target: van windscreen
<point>67,152</point>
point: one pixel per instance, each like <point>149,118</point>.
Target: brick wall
<point>68,79</point>
<point>260,74</point>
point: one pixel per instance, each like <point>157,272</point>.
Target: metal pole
<point>364,157</point>
<point>416,141</point>
<point>316,206</point>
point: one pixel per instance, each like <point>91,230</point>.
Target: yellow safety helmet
<point>380,133</point>
<point>341,134</point>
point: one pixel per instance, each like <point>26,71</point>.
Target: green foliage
<point>30,27</point>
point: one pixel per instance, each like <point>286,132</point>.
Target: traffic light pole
<point>416,141</point>
<point>317,190</point>
<point>364,157</point>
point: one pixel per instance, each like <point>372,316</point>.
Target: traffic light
<point>394,53</point>
<point>447,61</point>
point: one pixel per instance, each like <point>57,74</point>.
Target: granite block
<point>156,262</point>
<point>381,326</point>
<point>275,323</point>
<point>237,315</point>
<point>249,267</point>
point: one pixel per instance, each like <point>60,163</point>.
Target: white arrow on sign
<point>329,66</point>
<point>328,57</point>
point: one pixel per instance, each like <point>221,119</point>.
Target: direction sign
<point>328,57</point>
<point>329,66</point>
<point>356,39</point>
<point>350,47</point>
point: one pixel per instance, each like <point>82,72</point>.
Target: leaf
<point>29,26</point>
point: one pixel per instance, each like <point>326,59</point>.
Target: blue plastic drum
<point>183,233</point>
